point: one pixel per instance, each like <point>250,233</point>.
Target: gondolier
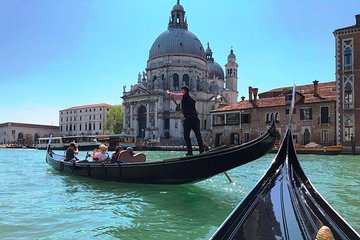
<point>191,121</point>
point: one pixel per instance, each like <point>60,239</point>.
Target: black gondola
<point>171,171</point>
<point>284,205</point>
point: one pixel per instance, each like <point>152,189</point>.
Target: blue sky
<point>57,54</point>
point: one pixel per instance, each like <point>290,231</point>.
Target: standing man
<point>191,120</point>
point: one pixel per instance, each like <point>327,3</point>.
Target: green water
<point>37,202</point>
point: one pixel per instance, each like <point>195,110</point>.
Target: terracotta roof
<point>309,88</point>
<point>327,93</point>
<point>88,106</point>
<point>28,125</point>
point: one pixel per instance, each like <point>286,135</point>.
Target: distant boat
<point>318,150</point>
<point>170,171</point>
<point>284,205</point>
<point>62,143</point>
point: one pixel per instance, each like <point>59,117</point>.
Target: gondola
<point>284,205</point>
<point>171,171</point>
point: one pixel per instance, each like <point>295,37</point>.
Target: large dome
<point>177,41</point>
<point>215,70</point>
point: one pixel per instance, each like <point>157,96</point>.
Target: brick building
<point>83,120</point>
<point>348,85</point>
<point>314,115</point>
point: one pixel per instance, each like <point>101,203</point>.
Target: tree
<point>114,119</point>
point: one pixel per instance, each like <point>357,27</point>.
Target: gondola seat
<point>126,157</point>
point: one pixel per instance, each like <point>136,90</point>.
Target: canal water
<point>37,202</point>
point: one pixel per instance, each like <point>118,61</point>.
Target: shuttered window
<point>305,113</point>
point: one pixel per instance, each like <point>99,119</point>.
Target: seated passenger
<point>115,155</point>
<point>70,153</point>
<point>100,155</point>
<point>128,156</point>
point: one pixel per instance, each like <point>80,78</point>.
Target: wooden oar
<point>228,177</point>
<point>177,104</point>
<point>226,174</point>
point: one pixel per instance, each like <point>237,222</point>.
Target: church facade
<point>177,58</point>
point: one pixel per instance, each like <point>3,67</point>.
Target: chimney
<point>357,20</point>
<point>250,93</point>
<point>242,98</point>
<point>316,88</point>
<point>255,92</point>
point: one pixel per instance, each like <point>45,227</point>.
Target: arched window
<point>348,95</point>
<point>267,118</point>
<point>347,56</point>
<point>186,81</point>
<point>89,126</point>
<point>306,136</point>
<point>176,82</point>
<point>349,130</point>
<point>20,136</point>
<point>272,117</point>
<point>277,117</point>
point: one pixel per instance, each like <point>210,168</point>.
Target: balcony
<point>348,68</point>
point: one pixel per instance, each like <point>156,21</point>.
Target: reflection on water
<point>37,202</point>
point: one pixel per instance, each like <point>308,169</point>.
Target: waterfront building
<point>348,85</point>
<point>314,115</point>
<point>84,120</point>
<point>176,58</point>
<point>25,133</point>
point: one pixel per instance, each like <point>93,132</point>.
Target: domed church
<point>177,58</point>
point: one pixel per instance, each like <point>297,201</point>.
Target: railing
<point>348,67</point>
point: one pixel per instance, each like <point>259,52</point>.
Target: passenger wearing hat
<point>100,154</point>
<point>191,121</point>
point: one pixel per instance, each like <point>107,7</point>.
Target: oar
<point>226,174</point>
<point>177,104</point>
<point>228,177</point>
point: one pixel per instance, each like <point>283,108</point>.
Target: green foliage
<point>114,120</point>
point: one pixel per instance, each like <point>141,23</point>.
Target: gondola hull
<point>171,171</point>
<point>283,205</point>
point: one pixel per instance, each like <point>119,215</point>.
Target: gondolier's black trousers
<point>192,123</point>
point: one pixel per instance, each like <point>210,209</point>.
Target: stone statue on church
<point>143,76</point>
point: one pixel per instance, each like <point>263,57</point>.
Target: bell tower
<point>177,18</point>
<point>231,93</point>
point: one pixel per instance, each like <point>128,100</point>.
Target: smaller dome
<point>232,55</point>
<point>178,7</point>
<point>215,70</point>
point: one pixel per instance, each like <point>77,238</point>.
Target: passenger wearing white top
<point>101,153</point>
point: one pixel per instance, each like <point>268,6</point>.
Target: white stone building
<point>177,58</point>
<point>83,120</point>
<point>25,133</point>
